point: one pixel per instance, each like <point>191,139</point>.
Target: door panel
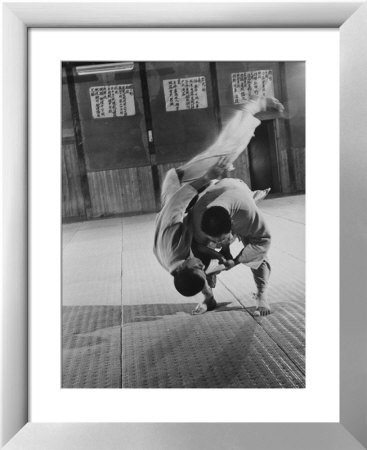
<point>179,135</point>
<point>263,159</point>
<point>117,142</point>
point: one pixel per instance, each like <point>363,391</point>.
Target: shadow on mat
<point>211,353</point>
<point>85,326</point>
<point>149,313</point>
<point>153,312</point>
<point>223,307</point>
<point>91,347</point>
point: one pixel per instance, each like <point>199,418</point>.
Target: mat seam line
<point>72,237</point>
<point>290,255</point>
<point>266,332</point>
<point>121,304</point>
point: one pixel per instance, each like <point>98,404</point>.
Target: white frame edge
<point>16,19</point>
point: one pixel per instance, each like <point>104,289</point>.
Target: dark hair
<point>216,221</point>
<point>188,283</point>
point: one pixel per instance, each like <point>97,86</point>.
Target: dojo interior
<point>124,124</point>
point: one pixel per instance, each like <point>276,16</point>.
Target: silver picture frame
<point>350,18</point>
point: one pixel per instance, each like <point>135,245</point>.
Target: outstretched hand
<point>219,170</point>
<point>215,172</point>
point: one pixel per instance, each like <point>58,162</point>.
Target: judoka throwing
<point>181,186</point>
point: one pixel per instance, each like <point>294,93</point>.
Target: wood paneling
<point>300,168</point>
<point>293,89</point>
<point>72,196</point>
<point>120,178</point>
<point>164,168</point>
<point>122,191</point>
<point>241,168</point>
<point>283,144</point>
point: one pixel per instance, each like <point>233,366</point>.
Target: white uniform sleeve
<point>175,209</point>
<point>255,236</point>
<point>255,252</point>
<point>231,142</point>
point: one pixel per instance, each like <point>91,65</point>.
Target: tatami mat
<point>91,347</point>
<point>92,264</point>
<point>164,346</point>
<point>144,335</point>
<point>68,232</point>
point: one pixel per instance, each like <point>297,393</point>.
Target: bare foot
<point>273,103</point>
<point>263,307</point>
<point>257,104</point>
<point>260,195</point>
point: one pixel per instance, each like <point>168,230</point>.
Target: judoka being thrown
<point>180,189</point>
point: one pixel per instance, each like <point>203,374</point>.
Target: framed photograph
<point>138,320</point>
<point>109,343</point>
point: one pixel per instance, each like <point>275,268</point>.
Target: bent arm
<point>226,252</point>
<point>255,237</point>
<point>201,249</point>
<point>254,252</point>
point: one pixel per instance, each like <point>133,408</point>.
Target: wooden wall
<point>72,196</point>
<point>294,90</point>
<point>122,182</point>
<point>114,142</point>
<point>300,167</point>
<point>122,191</point>
<point>180,135</point>
<point>282,144</point>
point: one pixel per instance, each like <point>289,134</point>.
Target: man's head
<point>216,223</point>
<point>189,277</point>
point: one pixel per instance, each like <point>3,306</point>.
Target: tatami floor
<point>124,325</point>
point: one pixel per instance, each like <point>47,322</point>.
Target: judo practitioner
<point>226,211</point>
<point>180,189</point>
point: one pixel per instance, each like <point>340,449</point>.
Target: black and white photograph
<point>183,224</point>
<point>155,247</point>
